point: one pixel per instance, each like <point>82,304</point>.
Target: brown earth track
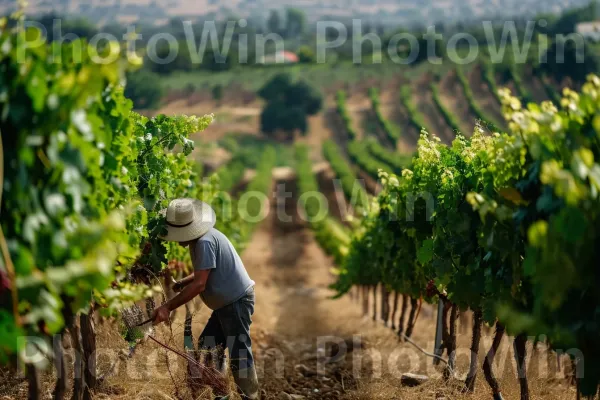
<point>358,105</point>
<point>333,122</point>
<point>535,87</point>
<point>294,312</point>
<point>394,111</point>
<point>375,129</point>
<point>483,94</point>
<point>451,93</point>
<point>506,84</point>
<point>423,99</point>
<point>338,205</point>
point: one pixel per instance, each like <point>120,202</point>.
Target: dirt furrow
<point>435,121</point>
<point>452,95</point>
<point>483,94</point>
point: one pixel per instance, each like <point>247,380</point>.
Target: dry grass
<point>294,311</point>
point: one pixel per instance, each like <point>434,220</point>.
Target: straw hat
<point>188,219</point>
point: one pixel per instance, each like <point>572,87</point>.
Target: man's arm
<point>180,284</point>
<point>193,289</point>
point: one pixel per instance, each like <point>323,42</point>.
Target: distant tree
<point>565,58</point>
<point>569,19</point>
<point>81,27</point>
<point>274,22</point>
<point>217,93</point>
<point>295,22</point>
<point>144,89</point>
<point>159,60</point>
<point>306,55</point>
<point>288,104</point>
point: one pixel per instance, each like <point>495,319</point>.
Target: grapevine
<point>509,211</point>
<point>473,105</point>
<point>342,109</point>
<point>391,130</point>
<point>446,113</point>
<point>416,118</point>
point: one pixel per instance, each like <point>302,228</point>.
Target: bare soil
<point>424,101</point>
<point>294,326</point>
<point>453,97</point>
<point>484,96</point>
<point>393,110</point>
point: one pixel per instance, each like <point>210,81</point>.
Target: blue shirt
<point>228,280</point>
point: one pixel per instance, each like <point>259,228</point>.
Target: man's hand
<point>177,286</point>
<point>192,287</point>
<point>160,314</point>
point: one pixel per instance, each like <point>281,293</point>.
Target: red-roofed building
<point>281,57</point>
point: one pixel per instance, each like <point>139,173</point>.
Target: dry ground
<point>294,313</point>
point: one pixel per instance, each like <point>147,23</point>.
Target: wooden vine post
<point>78,367</point>
<point>451,343</point>
<point>402,315</point>
<point>395,310</point>
<point>489,362</point>
<point>374,302</point>
<point>476,339</point>
<point>365,299</point>
<point>59,365</point>
<point>414,304</point>
<point>88,345</point>
<point>520,345</point>
<point>385,304</point>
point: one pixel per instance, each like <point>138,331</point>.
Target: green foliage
<point>217,92</point>
<point>569,19</point>
<point>361,156</point>
<point>261,183</point>
<point>551,91</point>
<point>352,188</point>
<point>64,137</point>
<point>306,55</point>
<point>503,223</point>
<point>249,149</point>
<point>343,112</point>
<point>449,117</point>
<point>390,129</point>
<point>396,161</point>
<point>85,181</point>
<point>566,58</point>
<point>231,174</point>
<point>522,91</point>
<point>330,234</point>
<point>295,22</point>
<point>473,104</point>
<point>144,89</point>
<point>288,104</point>
<point>416,118</point>
<point>489,77</point>
<point>274,23</point>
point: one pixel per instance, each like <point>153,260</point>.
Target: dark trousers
<point>229,327</point>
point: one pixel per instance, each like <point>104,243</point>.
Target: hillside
<point>386,11</point>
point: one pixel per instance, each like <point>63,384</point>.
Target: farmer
<point>222,282</point>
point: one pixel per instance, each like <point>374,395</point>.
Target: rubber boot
<point>247,383</point>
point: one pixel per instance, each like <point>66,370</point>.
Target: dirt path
<point>484,96</point>
<point>453,97</point>
<point>424,101</point>
<point>359,107</point>
<point>392,109</point>
<point>295,331</point>
<point>295,312</point>
<point>535,86</point>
